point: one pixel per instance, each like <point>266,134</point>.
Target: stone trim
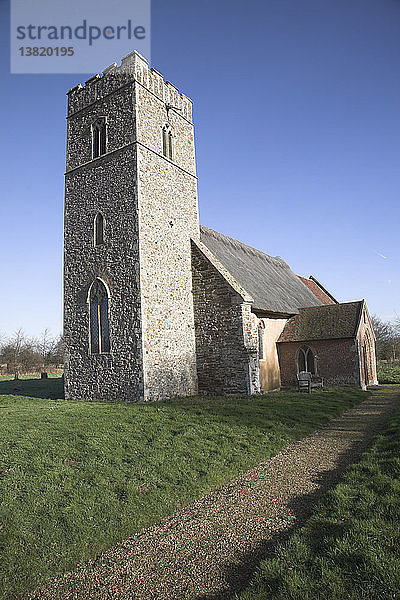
<point>123,148</point>
<point>223,272</point>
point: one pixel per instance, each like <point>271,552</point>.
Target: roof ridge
<point>333,305</point>
<point>275,259</point>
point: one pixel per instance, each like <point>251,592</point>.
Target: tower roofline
<point>133,67</point>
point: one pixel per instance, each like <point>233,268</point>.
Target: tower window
<point>99,137</point>
<point>167,141</point>
<point>170,144</point>
<point>99,323</point>
<point>98,230</point>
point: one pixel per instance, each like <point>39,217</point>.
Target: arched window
<point>167,141</point>
<point>170,144</point>
<point>99,137</point>
<point>261,340</point>
<point>99,324</point>
<point>306,360</point>
<point>98,230</point>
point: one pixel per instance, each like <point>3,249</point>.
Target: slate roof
<point>325,322</point>
<point>268,279</point>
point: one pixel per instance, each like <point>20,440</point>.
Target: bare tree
<point>387,339</point>
<point>59,351</point>
<point>46,347</point>
<point>396,325</point>
<point>15,353</point>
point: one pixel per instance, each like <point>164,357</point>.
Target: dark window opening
<point>99,322</point>
<point>170,145</point>
<point>301,361</point>
<point>98,230</point>
<point>99,138</point>
<point>306,360</point>
<point>167,142</point>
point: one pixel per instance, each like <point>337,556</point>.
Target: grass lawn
<point>29,376</point>
<point>350,548</point>
<point>389,372</point>
<point>77,477</point>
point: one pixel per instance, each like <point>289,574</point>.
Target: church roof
<point>325,322</point>
<point>267,279</point>
<point>318,290</point>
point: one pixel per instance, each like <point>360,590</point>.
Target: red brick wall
<point>337,361</point>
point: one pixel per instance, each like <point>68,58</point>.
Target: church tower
<point>130,212</point>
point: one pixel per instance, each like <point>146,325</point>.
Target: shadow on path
<point>239,574</point>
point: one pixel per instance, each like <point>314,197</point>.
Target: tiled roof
<point>323,322</point>
<point>318,290</point>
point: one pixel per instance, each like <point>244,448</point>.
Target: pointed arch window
<point>98,229</point>
<point>99,137</point>
<point>261,341</point>
<point>167,141</point>
<point>170,144</point>
<point>306,360</point>
<point>99,321</point>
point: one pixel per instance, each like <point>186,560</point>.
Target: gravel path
<point>209,548</point>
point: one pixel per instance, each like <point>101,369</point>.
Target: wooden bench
<point>306,381</point>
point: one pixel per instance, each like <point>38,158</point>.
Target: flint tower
<point>130,212</point>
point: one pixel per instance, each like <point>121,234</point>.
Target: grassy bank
<point>389,372</point>
<point>350,548</point>
<point>77,477</point>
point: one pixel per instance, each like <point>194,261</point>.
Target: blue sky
<point>296,105</point>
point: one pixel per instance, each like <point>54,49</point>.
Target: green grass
<point>77,477</point>
<point>28,376</point>
<point>389,372</point>
<point>350,548</point>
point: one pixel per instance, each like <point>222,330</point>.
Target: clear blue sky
<point>296,104</point>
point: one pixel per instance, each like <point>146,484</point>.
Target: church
<point>158,306</point>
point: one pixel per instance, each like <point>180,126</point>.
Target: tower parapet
<point>133,67</point>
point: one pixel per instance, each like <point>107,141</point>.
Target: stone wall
<point>89,190</point>
<point>226,361</point>
<point>168,218</point>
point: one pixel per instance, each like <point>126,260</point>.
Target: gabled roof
<point>318,290</point>
<point>267,279</point>
<point>324,322</point>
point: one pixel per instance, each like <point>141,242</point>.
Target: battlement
<point>134,67</point>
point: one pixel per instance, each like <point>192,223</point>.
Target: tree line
<point>21,354</point>
<point>387,336</point>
